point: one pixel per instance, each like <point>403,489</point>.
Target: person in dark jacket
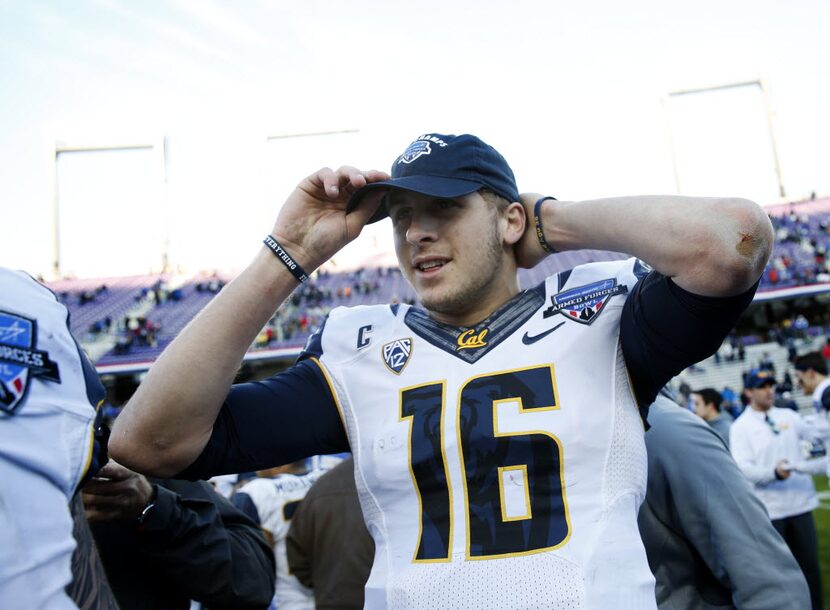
<point>164,542</point>
<point>328,546</point>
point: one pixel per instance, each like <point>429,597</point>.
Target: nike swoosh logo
<point>528,340</point>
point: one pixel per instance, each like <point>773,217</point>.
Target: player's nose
<point>422,228</point>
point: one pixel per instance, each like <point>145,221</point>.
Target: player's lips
<point>428,266</point>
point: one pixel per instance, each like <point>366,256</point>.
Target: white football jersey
<point>276,499</point>
<point>501,466</point>
<point>47,396</point>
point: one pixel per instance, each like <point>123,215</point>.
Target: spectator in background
<point>707,406</point>
<point>271,500</point>
<point>725,352</point>
<point>165,542</point>
<point>730,402</point>
<point>697,538</point>
<point>329,548</point>
<point>811,372</point>
<point>766,444</point>
<point>48,447</point>
<point>766,363</point>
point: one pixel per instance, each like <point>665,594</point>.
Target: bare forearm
<point>170,418</point>
<point>709,246</point>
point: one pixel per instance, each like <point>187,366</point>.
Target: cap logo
<point>415,150</point>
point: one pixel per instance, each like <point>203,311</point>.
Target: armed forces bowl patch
<point>19,361</point>
<point>396,354</point>
<point>584,303</point>
<point>415,150</point>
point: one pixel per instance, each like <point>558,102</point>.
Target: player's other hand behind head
<point>529,251</point>
<point>313,224</point>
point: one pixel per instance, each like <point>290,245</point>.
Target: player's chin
<point>439,299</point>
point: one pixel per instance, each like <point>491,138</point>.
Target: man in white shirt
<point>766,444</point>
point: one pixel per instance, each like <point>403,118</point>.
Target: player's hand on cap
<point>313,224</point>
<point>529,251</point>
<point>116,493</point>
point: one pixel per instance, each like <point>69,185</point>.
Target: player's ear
<point>515,222</point>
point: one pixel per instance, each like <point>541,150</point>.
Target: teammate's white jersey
<point>276,499</point>
<point>501,466</point>
<point>46,418</point>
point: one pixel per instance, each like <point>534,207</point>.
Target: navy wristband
<point>537,220</point>
<point>286,259</point>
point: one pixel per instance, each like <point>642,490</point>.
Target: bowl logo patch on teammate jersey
<point>584,303</point>
<point>396,354</point>
<point>19,361</point>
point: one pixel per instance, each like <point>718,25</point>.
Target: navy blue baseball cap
<point>445,166</point>
<point>757,378</point>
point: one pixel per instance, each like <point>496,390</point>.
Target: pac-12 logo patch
<point>396,354</point>
<point>415,150</point>
<point>19,361</point>
<point>584,303</point>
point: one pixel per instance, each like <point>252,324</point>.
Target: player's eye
<point>446,204</point>
<point>400,214</point>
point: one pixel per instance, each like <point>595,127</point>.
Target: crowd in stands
<point>135,330</point>
<point>800,257</point>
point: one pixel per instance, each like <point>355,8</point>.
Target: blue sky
<point>570,93</point>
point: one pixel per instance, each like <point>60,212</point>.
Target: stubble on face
<point>469,291</point>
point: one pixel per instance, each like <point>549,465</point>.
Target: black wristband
<point>286,259</point>
<point>537,220</point>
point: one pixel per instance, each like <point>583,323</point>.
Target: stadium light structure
<point>759,82</point>
<point>60,148</point>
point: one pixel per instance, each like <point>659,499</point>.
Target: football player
<point>49,393</point>
<point>271,499</point>
<point>498,445</point>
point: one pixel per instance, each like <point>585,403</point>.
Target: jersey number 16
<point>497,465</point>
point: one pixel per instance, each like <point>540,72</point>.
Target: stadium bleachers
<point>118,297</point>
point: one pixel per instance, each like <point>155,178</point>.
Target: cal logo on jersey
<point>19,362</point>
<point>470,339</point>
<point>396,354</point>
<point>415,150</point>
<point>584,303</point>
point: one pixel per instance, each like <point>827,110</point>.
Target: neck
<point>757,407</point>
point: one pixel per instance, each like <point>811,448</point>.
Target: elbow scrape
<point>747,245</point>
